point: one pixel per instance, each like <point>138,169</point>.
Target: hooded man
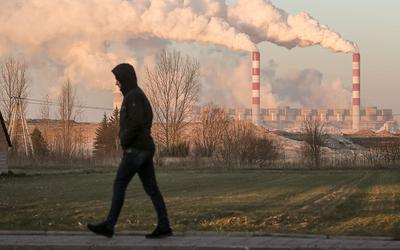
<point>136,118</point>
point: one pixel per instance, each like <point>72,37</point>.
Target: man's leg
<point>127,169</point>
<point>148,178</point>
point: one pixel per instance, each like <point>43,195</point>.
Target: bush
<point>314,136</point>
<point>177,150</point>
<point>387,153</point>
<point>246,144</point>
<point>209,131</point>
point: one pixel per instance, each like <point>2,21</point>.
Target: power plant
<point>354,118</point>
<point>286,117</point>
<point>258,116</point>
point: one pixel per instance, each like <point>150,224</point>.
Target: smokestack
<point>117,98</point>
<point>256,88</point>
<point>356,91</point>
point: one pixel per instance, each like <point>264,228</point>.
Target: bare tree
<point>80,141</point>
<point>45,116</point>
<point>13,91</point>
<point>262,150</point>
<point>390,152</point>
<point>209,131</point>
<point>14,85</point>
<point>68,111</point>
<point>244,143</point>
<point>314,140</point>
<point>234,144</point>
<point>372,156</point>
<point>383,153</point>
<point>173,89</point>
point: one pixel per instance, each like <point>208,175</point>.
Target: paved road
<point>23,240</point>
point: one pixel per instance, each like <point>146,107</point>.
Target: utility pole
<point>18,118</point>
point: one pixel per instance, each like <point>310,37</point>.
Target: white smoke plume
<point>87,38</point>
<point>39,22</point>
<point>262,21</point>
<point>83,40</point>
<point>81,35</point>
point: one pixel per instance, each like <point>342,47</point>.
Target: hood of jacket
<point>126,75</point>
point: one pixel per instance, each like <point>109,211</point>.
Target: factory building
<point>287,117</point>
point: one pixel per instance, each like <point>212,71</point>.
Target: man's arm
<point>135,120</point>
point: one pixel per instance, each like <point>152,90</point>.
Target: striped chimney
<point>117,98</point>
<point>356,91</point>
<point>256,88</point>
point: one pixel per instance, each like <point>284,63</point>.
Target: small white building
<point>5,144</point>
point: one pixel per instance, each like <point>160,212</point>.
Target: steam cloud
<point>83,40</point>
<point>298,88</point>
<point>262,21</point>
<point>36,23</point>
<point>306,88</point>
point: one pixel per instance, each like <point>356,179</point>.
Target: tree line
<point>173,87</point>
<point>67,141</point>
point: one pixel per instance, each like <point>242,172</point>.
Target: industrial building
<point>354,118</point>
<point>287,117</point>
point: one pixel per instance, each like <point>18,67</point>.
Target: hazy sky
<point>299,77</point>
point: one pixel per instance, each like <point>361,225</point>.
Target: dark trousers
<point>141,162</point>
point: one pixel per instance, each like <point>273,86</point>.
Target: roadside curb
<point>205,234</point>
<point>191,240</point>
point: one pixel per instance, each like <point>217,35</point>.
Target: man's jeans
<point>141,162</point>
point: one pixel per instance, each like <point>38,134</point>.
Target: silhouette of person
<point>136,118</point>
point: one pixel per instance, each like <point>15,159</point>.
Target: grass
<point>319,202</point>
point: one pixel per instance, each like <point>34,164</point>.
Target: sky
<point>310,77</point>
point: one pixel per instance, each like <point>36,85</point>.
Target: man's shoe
<point>159,233</point>
<point>102,228</point>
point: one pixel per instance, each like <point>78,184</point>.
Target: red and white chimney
<point>356,91</point>
<point>117,98</point>
<point>255,112</point>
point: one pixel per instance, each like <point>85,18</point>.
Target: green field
<point>320,202</point>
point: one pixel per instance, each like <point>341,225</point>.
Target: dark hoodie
<point>136,115</point>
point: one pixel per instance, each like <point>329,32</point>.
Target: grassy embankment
<point>322,202</point>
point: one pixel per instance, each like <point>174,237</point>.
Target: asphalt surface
<point>58,240</point>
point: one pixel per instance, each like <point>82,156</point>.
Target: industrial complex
<point>354,118</point>
<point>287,117</point>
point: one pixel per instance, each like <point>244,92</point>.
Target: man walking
<point>138,149</point>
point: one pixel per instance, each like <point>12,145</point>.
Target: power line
<point>52,103</point>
